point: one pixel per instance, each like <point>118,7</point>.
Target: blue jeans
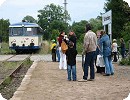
<point>108,65</point>
<point>71,69</point>
<point>89,61</point>
<point>58,55</point>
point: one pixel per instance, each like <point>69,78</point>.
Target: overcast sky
<point>16,10</point>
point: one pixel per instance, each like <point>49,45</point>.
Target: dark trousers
<point>89,61</point>
<point>123,53</point>
<point>115,56</point>
<point>54,57</point>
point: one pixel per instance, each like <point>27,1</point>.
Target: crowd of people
<point>98,51</point>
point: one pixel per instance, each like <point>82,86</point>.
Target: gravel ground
<point>50,83</point>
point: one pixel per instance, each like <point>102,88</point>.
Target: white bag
<point>100,61</point>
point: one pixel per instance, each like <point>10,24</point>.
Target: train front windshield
<point>26,31</point>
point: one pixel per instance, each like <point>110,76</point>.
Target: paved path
<point>35,57</point>
<point>47,57</point>
<point>5,57</point>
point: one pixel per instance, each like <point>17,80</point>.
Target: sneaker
<point>82,80</point>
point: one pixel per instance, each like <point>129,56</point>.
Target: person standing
<point>62,63</point>
<point>57,50</point>
<point>90,45</point>
<point>114,50</point>
<point>71,61</point>
<point>122,46</point>
<point>99,58</point>
<point>72,37</point>
<point>105,43</point>
<point>53,49</point>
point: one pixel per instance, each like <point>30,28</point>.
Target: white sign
<point>29,29</point>
<point>107,18</point>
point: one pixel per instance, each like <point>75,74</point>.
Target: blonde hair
<point>102,32</point>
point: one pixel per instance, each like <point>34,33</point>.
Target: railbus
<point>25,36</point>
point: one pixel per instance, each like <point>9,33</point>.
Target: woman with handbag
<point>63,62</point>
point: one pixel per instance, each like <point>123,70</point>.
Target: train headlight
<point>14,40</point>
<point>14,44</point>
<point>32,40</point>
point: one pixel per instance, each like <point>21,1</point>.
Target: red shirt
<point>60,39</point>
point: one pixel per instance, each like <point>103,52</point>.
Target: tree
<point>52,17</point>
<point>4,26</point>
<point>120,15</point>
<point>55,34</point>
<point>96,23</point>
<point>79,29</point>
<point>29,19</point>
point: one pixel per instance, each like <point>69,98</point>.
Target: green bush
<point>5,49</point>
<point>125,61</point>
<point>79,47</point>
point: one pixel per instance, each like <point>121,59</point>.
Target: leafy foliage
<point>29,19</point>
<point>4,24</point>
<point>120,15</point>
<point>125,61</point>
<point>79,29</point>
<point>96,23</point>
<point>52,17</point>
<point>55,34</point>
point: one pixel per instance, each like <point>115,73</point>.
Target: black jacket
<point>71,56</point>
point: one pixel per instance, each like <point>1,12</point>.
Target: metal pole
<point>65,7</point>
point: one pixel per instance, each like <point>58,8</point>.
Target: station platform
<point>45,81</point>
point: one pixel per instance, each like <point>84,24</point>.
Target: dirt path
<point>50,83</point>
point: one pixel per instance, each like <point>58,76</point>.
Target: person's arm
<point>101,45</point>
<point>86,43</point>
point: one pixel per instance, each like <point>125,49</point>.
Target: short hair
<point>71,44</point>
<point>88,27</point>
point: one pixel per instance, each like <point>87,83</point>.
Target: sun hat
<point>114,40</point>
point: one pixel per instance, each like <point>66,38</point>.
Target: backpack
<point>64,46</point>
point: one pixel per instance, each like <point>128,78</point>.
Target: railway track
<point>11,76</point>
<point>11,65</point>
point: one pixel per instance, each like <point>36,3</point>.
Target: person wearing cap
<point>114,50</point>
<point>71,61</point>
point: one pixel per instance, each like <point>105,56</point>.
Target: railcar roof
<point>24,24</point>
